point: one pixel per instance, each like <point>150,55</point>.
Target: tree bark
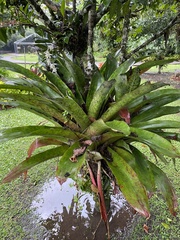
<point>125,35</point>
<point>90,40</point>
<point>178,31</point>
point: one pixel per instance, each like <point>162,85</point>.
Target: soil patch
<point>165,77</point>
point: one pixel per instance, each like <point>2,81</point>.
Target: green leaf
<point>165,187</point>
<point>149,64</point>
<point>46,131</point>
<point>126,8</point>
<point>143,169</point>
<point>77,75</point>
<point>134,80</point>
<point>154,141</point>
<point>45,87</point>
<point>109,66</point>
<point>155,112</point>
<point>3,34</point>
<point>159,97</point>
<point>129,183</point>
<point>170,135</point>
<point>35,160</point>
<point>97,128</point>
<point>38,105</point>
<point>122,144</point>
<point>75,111</point>
<point>121,87</point>
<point>97,80</point>
<point>119,126</point>
<point>123,68</point>
<point>19,69</point>
<point>157,124</point>
<point>63,7</point>
<point>57,81</point>
<point>15,85</point>
<point>63,71</point>
<point>100,97</point>
<point>67,168</point>
<point>128,98</point>
<point>111,137</point>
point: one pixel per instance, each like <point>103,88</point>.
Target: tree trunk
<point>91,24</point>
<point>125,35</point>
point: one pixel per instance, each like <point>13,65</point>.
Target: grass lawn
<point>16,197</point>
<point>162,225</point>
<point>29,57</point>
<point>167,68</point>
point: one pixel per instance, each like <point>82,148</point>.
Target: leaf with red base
<point>125,114</point>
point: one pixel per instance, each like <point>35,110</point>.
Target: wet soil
<point>65,212</point>
<point>170,78</point>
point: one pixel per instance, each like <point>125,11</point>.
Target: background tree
<point>67,24</point>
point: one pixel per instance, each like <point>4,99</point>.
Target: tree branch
<point>51,5</point>
<point>45,18</point>
<point>170,25</point>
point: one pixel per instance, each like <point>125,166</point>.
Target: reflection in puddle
<point>68,213</point>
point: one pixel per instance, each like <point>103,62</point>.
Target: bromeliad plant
<point>97,124</point>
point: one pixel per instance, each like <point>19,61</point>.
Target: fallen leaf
<point>146,228</point>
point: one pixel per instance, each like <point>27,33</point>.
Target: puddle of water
<point>67,213</point>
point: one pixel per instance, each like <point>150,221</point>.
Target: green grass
<point>162,225</point>
<point>29,57</point>
<point>167,68</point>
<point>16,197</point>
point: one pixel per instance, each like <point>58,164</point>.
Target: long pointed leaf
<point>170,135</point>
<point>154,141</point>
<point>19,69</point>
<point>38,105</point>
<point>75,111</point>
<point>96,81</point>
<point>57,81</point>
<point>33,161</point>
<point>160,97</point>
<point>165,187</point>
<point>123,68</point>
<point>147,65</point>
<point>155,113</point>
<point>100,97</point>
<point>119,126</point>
<point>41,142</point>
<point>46,131</point>
<point>20,88</point>
<point>45,87</point>
<point>109,66</point>
<point>129,97</point>
<point>129,183</point>
<point>77,74</point>
<point>140,165</point>
<point>157,124</point>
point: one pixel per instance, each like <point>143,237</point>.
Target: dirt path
<point>164,77</point>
